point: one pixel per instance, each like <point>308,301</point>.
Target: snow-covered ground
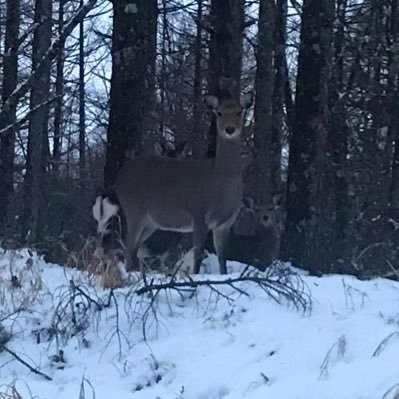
<point>347,347</point>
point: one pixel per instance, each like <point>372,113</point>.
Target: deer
<point>184,195</point>
<point>258,244</point>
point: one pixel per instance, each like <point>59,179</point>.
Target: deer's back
<point>161,185</point>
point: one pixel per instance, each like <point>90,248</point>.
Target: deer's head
<point>229,114</point>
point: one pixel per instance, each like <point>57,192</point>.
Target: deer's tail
<point>105,208</point>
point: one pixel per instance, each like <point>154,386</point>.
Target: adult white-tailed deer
<point>160,193</point>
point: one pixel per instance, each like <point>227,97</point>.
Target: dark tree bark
<point>163,68</point>
<point>280,76</point>
<point>306,240</point>
<point>38,125</point>
<point>288,100</point>
<point>59,92</point>
<point>338,141</point>
<point>377,73</point>
<point>197,139</point>
<point>82,114</point>
<point>7,138</point>
<point>263,102</point>
<point>393,98</point>
<point>225,54</point>
<point>132,82</point>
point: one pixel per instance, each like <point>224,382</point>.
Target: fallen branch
<point>31,368</point>
<point>99,306</point>
<point>275,282</point>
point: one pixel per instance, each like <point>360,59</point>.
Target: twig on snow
<point>26,364</point>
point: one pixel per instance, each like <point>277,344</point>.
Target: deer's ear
<point>248,202</point>
<point>211,101</point>
<point>277,199</point>
<point>247,100</point>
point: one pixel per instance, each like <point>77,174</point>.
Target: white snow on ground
<point>251,348</point>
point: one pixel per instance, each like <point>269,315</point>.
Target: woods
<point>87,85</point>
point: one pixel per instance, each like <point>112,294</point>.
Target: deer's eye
<point>219,114</point>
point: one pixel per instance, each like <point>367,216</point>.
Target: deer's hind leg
<point>137,232</point>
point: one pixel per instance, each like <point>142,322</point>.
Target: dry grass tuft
<point>10,391</point>
<point>83,257</point>
<point>108,269</point>
<point>83,391</point>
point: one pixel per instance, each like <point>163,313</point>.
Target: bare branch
<point>20,122</point>
<point>275,282</point>
<point>31,368</point>
<point>52,52</point>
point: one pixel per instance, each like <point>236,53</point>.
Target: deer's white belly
<point>178,223</point>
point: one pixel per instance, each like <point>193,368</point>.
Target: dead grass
<point>83,392</point>
<point>83,257</point>
<point>21,284</point>
<point>10,391</point>
<point>108,270</point>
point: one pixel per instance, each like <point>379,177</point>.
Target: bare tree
<point>38,123</point>
<point>133,74</point>
<point>82,114</point>
<point>307,197</point>
<point>279,82</point>
<point>7,138</point>
<point>59,91</point>
<point>263,103</point>
<point>197,139</point>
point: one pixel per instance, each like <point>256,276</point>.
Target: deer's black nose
<point>230,129</point>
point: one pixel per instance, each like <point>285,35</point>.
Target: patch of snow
<point>251,347</point>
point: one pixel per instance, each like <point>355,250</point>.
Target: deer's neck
<point>228,158</point>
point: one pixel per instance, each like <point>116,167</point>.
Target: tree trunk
<point>394,104</point>
<point>263,102</point>
<point>280,40</point>
<point>59,92</point>
<point>225,54</point>
<point>38,126</point>
<point>132,82</point>
<point>82,116</point>
<point>306,237</point>
<point>7,138</point>
<point>197,139</point>
<point>338,142</point>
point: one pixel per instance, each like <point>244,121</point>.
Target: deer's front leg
<point>200,232</point>
<point>220,241</point>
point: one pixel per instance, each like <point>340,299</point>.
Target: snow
<point>199,349</point>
